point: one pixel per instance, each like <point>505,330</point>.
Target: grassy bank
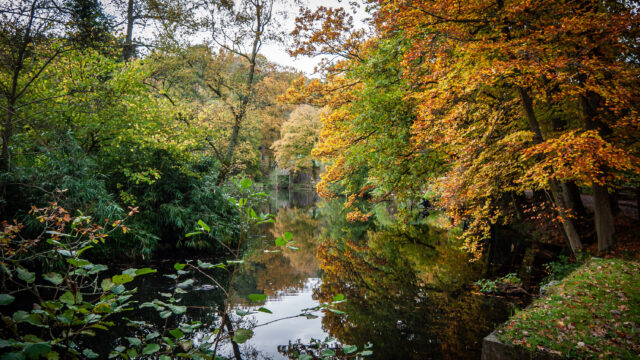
<point>593,313</point>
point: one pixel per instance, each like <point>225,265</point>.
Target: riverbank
<point>592,313</point>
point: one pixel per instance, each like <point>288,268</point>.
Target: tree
<point>495,88</point>
<point>298,136</point>
<point>171,17</point>
<point>89,24</point>
<point>29,43</point>
<point>240,30</point>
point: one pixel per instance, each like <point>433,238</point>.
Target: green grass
<point>593,313</point>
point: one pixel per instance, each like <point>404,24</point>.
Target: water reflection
<point>406,289</point>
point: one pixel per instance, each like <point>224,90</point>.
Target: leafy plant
<point>70,304</point>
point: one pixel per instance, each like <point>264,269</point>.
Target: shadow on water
<point>407,289</point>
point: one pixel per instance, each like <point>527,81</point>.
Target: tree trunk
<point>129,50</point>
<point>568,224</point>
<point>7,130</point>
<point>234,345</point>
<point>573,199</point>
<point>615,203</point>
<point>603,217</point>
<point>638,202</point>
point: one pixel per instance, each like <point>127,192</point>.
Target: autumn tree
<point>298,134</point>
<point>201,83</point>
<point>552,57</point>
<point>240,30</point>
<point>508,96</point>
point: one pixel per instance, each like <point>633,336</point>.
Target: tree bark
<point>7,130</point>
<point>129,50</point>
<point>566,219</point>
<point>603,216</point>
<point>568,224</point>
<point>242,111</point>
<point>573,199</point>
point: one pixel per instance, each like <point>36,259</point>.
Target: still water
<point>407,289</point>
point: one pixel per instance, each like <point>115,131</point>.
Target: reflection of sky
<point>267,338</point>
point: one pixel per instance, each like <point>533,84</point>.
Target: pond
<point>407,289</point>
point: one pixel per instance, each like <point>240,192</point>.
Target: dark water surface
<point>407,289</point>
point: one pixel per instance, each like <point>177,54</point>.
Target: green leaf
<point>176,333</point>
<point>328,352</point>
<point>54,278</point>
<point>35,350</point>
<point>185,283</point>
<point>366,353</point>
<point>13,356</point>
<point>204,265</point>
<point>305,357</point>
<point>165,314</point>
<point>5,343</point>
<point>150,349</point>
<point>26,276</point>
<point>179,266</point>
<point>65,253</point>
<point>280,241</point>
<point>84,249</point>
<point>107,285</point>
<point>337,311</point>
<point>21,316</point>
<point>288,236</point>
<point>246,183</point>
<point>235,261</point>
<point>151,336</point>
<point>133,353</point>
<point>242,335</point>
<point>6,299</point>
<point>338,297</point>
<point>265,310</point>
<point>68,298</point>
<point>134,341</point>
<point>193,233</point>
<point>177,309</point>
<point>242,312</point>
<point>130,272</point>
<point>89,353</point>
<point>348,349</point>
<point>257,297</point>
<point>204,226</point>
<point>145,271</point>
<point>121,279</point>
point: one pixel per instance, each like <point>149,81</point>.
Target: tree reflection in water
<point>406,291</point>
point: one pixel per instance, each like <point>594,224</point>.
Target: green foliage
<point>74,308</point>
<point>559,269</point>
<point>491,286</point>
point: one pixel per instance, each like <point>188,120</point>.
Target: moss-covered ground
<point>594,313</point>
